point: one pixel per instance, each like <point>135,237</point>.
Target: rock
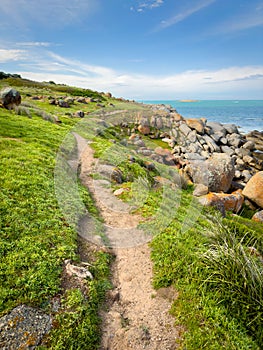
<point>200,190</point>
<point>52,101</point>
<point>195,124</point>
<point>254,189</point>
<point>63,103</point>
<point>238,174</point>
<point>159,123</point>
<point>248,159</point>
<point>217,172</point>
<point>227,150</point>
<point>224,201</point>
<point>24,328</point>
<point>234,140</point>
<point>79,114</point>
<point>232,202</point>
<point>110,172</point>
<point>241,152</point>
<point>184,129</point>
<point>216,127</point>
<point>9,98</point>
<point>194,156</point>
<point>69,100</point>
<point>77,271</point>
<point>258,217</point>
<point>118,192</point>
<point>139,143</point>
<point>162,151</point>
<point>192,136</point>
<point>223,140</point>
<point>149,165</point>
<point>216,137</point>
<point>231,128</point>
<point>81,100</point>
<point>176,116</point>
<point>211,144</point>
<point>256,137</point>
<point>145,130</point>
<point>246,175</point>
<point>211,200</point>
<point>250,145</point>
<point>144,121</point>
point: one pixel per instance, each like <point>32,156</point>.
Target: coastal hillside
<point>125,225</point>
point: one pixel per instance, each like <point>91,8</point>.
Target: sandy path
<point>137,316</point>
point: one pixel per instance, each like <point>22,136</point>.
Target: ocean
<point>246,114</point>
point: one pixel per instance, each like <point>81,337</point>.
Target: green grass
<point>220,297</point>
<point>36,237</point>
<point>78,325</point>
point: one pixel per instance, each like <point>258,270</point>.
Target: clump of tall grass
<point>234,270</point>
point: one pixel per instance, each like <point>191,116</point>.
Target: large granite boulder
<point>216,173</point>
<point>254,189</point>
<point>196,124</point>
<point>9,98</point>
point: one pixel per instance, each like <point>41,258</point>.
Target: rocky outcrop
<point>192,140</point>
<point>254,189</point>
<point>216,173</point>
<point>9,98</point>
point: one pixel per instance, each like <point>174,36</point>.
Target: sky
<point>138,49</point>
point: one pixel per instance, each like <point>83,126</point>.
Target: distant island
<point>189,101</point>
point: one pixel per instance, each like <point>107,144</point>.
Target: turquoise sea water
<point>247,114</point>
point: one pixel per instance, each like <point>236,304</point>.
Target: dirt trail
<point>137,316</point>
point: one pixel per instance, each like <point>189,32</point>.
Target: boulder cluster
<point>217,158</point>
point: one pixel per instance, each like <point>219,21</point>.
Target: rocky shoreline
<point>221,162</point>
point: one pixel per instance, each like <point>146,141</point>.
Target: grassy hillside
<point>220,303</point>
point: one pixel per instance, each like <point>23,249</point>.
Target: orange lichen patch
<point>231,202</point>
<point>195,124</point>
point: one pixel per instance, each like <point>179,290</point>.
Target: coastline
<point>246,114</point>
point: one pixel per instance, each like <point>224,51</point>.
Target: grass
<point>35,236</point>
<point>220,286</point>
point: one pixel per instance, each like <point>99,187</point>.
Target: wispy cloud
<point>34,44</point>
<point>147,5</point>
<point>187,12</point>
<point>12,55</point>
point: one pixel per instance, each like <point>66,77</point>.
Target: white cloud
<point>179,17</point>
<point>34,44</point>
<point>196,83</point>
<point>147,5</point>
<point>12,55</point>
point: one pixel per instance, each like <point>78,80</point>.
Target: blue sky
<point>138,49</point>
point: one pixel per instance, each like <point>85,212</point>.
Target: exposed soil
<point>136,316</point>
